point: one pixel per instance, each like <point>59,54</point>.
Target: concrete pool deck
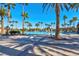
<point>36,45</point>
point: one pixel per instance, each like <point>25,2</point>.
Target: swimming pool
<point>41,33</point>
<point>48,33</point>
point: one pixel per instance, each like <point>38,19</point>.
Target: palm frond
<point>13,5</point>
<point>61,7</point>
<point>44,6</point>
<point>2,11</point>
<point>66,7</point>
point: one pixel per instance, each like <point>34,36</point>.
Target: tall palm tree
<point>37,25</point>
<point>70,22</point>
<point>58,7</point>
<point>26,22</point>
<point>12,25</point>
<point>75,6</point>
<point>41,23</point>
<point>29,25</point>
<point>48,27</point>
<point>74,20</point>
<point>64,18</point>
<point>62,27</point>
<point>9,6</point>
<point>24,15</point>
<point>16,22</point>
<point>2,14</point>
<point>52,24</point>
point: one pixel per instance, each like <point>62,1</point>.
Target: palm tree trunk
<point>23,26</point>
<point>13,28</point>
<point>8,14</point>
<point>64,24</point>
<point>16,27</point>
<point>23,18</point>
<point>57,22</point>
<point>2,25</point>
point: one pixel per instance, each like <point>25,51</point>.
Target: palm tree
<point>2,14</point>
<point>29,25</point>
<point>9,5</point>
<point>12,25</point>
<point>24,15</point>
<point>41,23</point>
<point>62,27</point>
<point>16,22</point>
<point>58,7</point>
<point>48,27</point>
<point>70,22</point>
<point>37,25</point>
<point>74,20</point>
<point>52,24</point>
<point>68,27</point>
<point>64,18</point>
<point>26,22</point>
<point>75,6</point>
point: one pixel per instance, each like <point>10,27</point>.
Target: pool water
<point>42,33</point>
<point>48,33</point>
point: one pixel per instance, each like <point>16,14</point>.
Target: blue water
<point>48,33</point>
<point>42,33</point>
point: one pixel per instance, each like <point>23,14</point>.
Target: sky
<point>35,14</point>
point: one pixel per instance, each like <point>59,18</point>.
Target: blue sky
<point>35,14</point>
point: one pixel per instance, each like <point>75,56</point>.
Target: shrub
<point>14,32</point>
